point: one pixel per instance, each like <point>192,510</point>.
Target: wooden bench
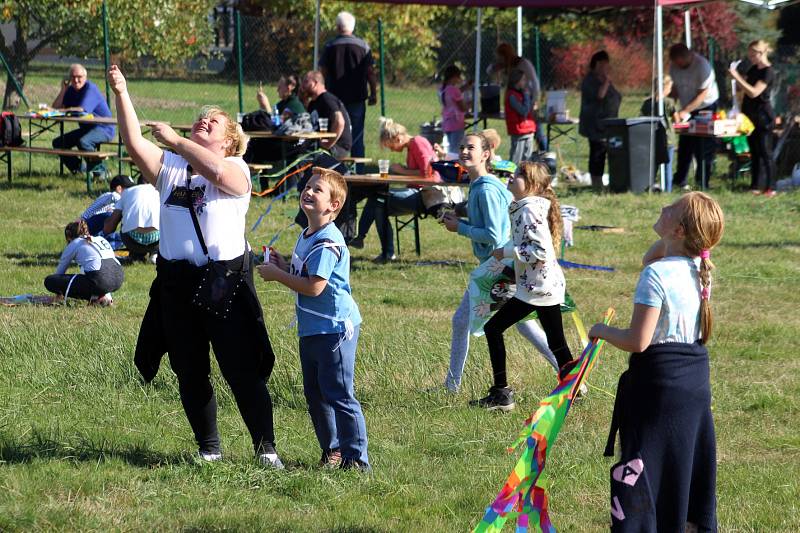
<point>6,151</point>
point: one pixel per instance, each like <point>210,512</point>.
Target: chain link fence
<point>273,46</point>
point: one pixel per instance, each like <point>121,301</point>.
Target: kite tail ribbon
<point>522,497</point>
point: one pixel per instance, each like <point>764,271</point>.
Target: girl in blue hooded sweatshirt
<point>488,227</point>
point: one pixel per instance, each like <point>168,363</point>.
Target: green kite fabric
<point>523,496</point>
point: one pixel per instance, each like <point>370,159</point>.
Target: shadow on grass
<point>772,244</point>
<point>17,185</point>
<point>26,260</point>
<point>13,451</point>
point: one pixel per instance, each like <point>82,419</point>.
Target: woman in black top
<point>599,100</point>
<point>756,105</point>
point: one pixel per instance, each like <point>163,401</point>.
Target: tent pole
<point>660,67</point>
<point>476,88</point>
<point>519,31</point>
<point>687,24</point>
<point>316,36</point>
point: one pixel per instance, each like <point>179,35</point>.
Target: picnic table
<point>382,187</point>
<point>39,124</point>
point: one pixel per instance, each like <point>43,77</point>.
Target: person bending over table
<point>696,88</point>
<point>204,186</point>
<point>326,105</point>
<point>380,207</point>
<point>79,93</point>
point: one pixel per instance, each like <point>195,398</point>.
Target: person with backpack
<point>78,93</point>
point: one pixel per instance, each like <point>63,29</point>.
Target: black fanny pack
<point>221,280</point>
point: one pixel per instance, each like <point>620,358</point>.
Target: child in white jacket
<point>535,228</point>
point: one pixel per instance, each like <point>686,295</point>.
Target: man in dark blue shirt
<point>78,92</point>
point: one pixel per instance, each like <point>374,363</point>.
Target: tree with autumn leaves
<point>168,31</point>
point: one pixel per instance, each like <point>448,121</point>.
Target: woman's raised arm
<point>147,156</point>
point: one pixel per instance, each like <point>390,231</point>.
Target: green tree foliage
<point>168,31</point>
<point>409,37</point>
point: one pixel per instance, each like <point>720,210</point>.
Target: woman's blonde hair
<point>233,130</point>
<point>703,223</point>
<point>493,137</point>
<point>761,45</point>
<point>390,130</point>
<point>537,180</point>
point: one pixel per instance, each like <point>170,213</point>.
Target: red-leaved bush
<point>631,64</point>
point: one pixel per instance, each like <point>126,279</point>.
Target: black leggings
<point>189,331</point>
<point>94,283</point>
<point>512,312</point>
<point>762,170</point>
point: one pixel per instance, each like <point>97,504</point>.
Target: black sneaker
<point>498,399</point>
<point>357,242</point>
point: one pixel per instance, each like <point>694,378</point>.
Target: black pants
<point>138,251</point>
<point>762,167</point>
<point>512,312</point>
<point>597,162</point>
<point>700,149</point>
<point>189,330</point>
<point>95,283</point>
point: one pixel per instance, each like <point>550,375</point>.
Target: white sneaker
<point>102,301</point>
<point>153,258</point>
<point>209,457</point>
<point>271,460</point>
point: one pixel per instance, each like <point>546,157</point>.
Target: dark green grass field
<point>84,446</point>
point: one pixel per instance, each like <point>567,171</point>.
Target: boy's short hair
<point>336,182</point>
<point>121,180</point>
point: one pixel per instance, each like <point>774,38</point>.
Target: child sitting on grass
<point>327,322</point>
<point>666,478</point>
<point>100,275</point>
<point>535,227</point>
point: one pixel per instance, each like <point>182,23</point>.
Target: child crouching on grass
<point>666,477</point>
<point>327,322</point>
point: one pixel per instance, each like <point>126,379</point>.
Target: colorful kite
<point>492,284</point>
<point>523,497</point>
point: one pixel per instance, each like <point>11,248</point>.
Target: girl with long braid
<point>666,478</point>
<point>100,275</point>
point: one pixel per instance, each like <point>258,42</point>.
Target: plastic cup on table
<point>383,167</point>
<point>323,125</point>
<point>239,117</point>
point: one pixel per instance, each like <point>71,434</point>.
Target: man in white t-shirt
<point>695,86</point>
<point>138,209</point>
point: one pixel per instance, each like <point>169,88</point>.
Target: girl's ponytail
<point>76,229</point>
<point>706,317</point>
<point>554,216</point>
<point>703,224</point>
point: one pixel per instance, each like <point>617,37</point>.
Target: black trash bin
<point>630,166</point>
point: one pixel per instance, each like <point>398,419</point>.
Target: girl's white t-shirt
<point>672,284</point>
<point>88,253</point>
<point>221,215</point>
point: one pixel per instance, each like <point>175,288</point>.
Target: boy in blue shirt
<point>327,322</point>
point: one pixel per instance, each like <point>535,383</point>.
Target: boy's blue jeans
<point>328,386</point>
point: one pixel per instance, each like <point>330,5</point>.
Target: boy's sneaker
<point>209,457</point>
<point>102,301</point>
<point>498,399</point>
<point>271,460</point>
<point>331,459</point>
<point>357,242</point>
<point>354,464</point>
